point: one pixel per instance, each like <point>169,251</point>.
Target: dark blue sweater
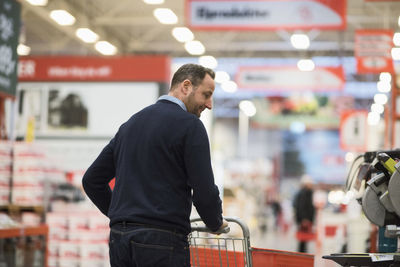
<point>160,158</point>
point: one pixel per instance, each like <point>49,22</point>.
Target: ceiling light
<point>396,39</point>
<point>154,2</point>
<point>395,53</point>
<point>385,77</point>
<point>300,41</point>
<point>248,108</point>
<point>37,2</point>
<point>165,16</point>
<point>373,118</point>
<point>221,76</point>
<point>208,62</point>
<point>62,17</point>
<point>195,48</point>
<point>87,35</point>
<point>23,50</point>
<point>383,87</point>
<point>182,34</point>
<point>305,65</point>
<point>377,108</point>
<point>229,86</point>
<point>380,99</point>
<point>106,48</point>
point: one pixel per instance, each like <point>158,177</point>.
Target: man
<point>304,211</point>
<point>160,158</point>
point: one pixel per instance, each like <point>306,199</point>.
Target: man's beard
<point>192,107</point>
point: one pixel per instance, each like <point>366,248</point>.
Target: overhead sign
<point>373,51</point>
<point>276,78</point>
<point>80,68</point>
<point>10,13</point>
<point>266,14</point>
<point>353,130</point>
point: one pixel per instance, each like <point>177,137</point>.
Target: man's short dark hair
<point>193,72</point>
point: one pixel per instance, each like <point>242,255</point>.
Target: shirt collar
<point>174,100</point>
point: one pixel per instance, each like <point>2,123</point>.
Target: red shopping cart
<point>231,247</point>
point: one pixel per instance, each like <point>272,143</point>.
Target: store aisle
<point>332,238</point>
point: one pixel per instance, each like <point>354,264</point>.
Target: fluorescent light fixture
<point>165,16</point>
<point>300,41</point>
<point>385,77</point>
<point>248,108</point>
<point>221,76</point>
<point>37,2</point>
<point>208,62</point>
<point>396,39</point>
<point>87,35</point>
<point>349,157</point>
<point>229,86</point>
<point>377,108</point>
<point>380,99</point>
<point>154,2</point>
<point>398,22</point>
<point>195,48</point>
<point>62,17</point>
<point>305,65</point>
<point>373,118</point>
<point>106,48</point>
<point>182,34</point>
<point>23,50</point>
<point>395,53</point>
<point>383,87</point>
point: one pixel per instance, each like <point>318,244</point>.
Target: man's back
<point>160,154</point>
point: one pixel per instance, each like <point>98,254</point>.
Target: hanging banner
<point>373,51</point>
<point>10,20</point>
<point>353,130</point>
<point>266,14</point>
<point>276,78</point>
<point>81,68</point>
<point>309,110</point>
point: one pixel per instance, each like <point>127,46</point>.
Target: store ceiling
<point>131,26</point>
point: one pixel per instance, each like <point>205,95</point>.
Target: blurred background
<point>303,90</point>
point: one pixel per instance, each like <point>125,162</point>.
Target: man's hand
<point>221,228</point>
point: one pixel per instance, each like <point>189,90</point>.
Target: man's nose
<point>209,103</point>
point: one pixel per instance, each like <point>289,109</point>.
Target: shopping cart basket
<point>231,247</point>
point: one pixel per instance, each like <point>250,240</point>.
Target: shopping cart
<point>231,247</point>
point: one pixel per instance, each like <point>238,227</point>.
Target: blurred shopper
<point>304,212</point>
<point>160,159</point>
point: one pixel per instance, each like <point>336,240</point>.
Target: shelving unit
<point>22,252</point>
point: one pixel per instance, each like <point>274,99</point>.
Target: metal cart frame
<point>208,248</point>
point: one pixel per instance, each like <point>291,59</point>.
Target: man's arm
<point>201,179</point>
<point>96,178</point>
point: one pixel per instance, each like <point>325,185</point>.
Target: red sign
<point>79,68</point>
<point>353,130</point>
<point>266,14</point>
<point>373,51</point>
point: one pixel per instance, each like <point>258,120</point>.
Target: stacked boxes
<point>78,239</point>
<point>28,175</point>
<point>5,171</point>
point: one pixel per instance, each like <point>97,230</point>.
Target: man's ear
<point>186,86</point>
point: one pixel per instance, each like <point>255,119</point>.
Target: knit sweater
<point>161,161</point>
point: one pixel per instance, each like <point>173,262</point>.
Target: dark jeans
<point>141,246</point>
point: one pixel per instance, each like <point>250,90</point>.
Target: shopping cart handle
<point>224,230</point>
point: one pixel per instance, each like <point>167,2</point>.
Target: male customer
<point>160,158</point>
<point>305,212</point>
